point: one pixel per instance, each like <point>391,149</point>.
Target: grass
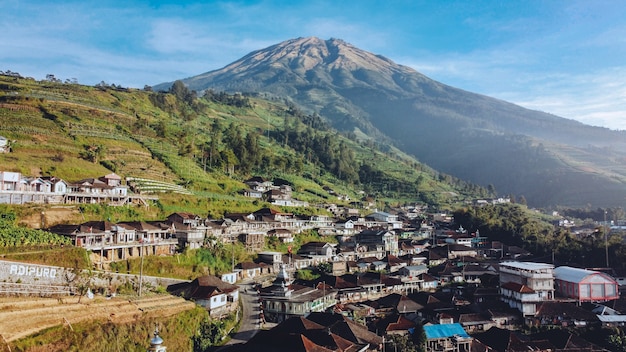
<point>176,332</point>
<point>66,256</point>
<point>62,119</point>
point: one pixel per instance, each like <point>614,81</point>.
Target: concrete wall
<point>12,273</point>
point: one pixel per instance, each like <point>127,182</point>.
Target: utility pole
<point>606,240</point>
<point>141,267</point>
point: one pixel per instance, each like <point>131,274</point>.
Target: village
<point>385,273</point>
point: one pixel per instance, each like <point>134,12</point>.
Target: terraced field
<point>21,317</point>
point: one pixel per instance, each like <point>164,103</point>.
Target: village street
<point>250,324</point>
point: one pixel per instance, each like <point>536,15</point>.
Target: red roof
<point>515,287</point>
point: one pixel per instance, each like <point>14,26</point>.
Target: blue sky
<point>563,57</point>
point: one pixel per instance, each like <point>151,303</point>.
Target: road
<point>250,324</point>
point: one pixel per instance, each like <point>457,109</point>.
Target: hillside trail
<point>24,316</point>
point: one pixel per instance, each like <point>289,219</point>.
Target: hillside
<point>207,145</point>
<point>548,159</point>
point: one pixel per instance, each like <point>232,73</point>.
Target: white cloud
<point>596,97</point>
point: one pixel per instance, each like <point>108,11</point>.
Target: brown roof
<point>515,287</point>
<point>204,287</point>
<point>305,335</point>
<point>565,310</point>
<point>401,324</point>
<point>139,225</point>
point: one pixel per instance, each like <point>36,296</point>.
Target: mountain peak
<point>312,53</point>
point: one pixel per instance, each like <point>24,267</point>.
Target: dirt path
<point>20,317</point>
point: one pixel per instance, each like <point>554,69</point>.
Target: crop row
<point>142,185</point>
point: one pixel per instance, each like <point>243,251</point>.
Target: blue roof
<point>438,331</point>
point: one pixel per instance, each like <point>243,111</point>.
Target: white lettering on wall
<point>25,270</point>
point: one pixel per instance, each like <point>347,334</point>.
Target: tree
<point>78,280</point>
<point>402,343</point>
<point>209,334</point>
<point>93,152</point>
<point>325,267</point>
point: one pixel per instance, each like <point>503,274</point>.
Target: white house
<point>9,181</point>
<point>218,297</point>
<point>525,285</point>
<point>231,278</point>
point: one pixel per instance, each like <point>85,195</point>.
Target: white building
<point>525,285</point>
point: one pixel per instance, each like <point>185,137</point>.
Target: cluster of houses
<point>16,188</point>
<point>363,312</point>
<point>387,273</point>
<point>279,194</point>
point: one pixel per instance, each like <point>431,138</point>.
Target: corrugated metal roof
<point>527,265</point>
<point>570,274</point>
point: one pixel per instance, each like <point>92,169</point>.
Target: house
<point>188,236</point>
<point>339,267</point>
<point>284,235</point>
<point>277,195</point>
<point>429,283</point>
<point>525,285</point>
<point>394,324</point>
<point>585,285</point>
<point>413,271</point>
<point>231,278</point>
<point>285,299</point>
<point>390,219</point>
<point>459,251</point>
<point>609,316</point>
<point>476,322</point>
<point>57,185</point>
<point>101,186</point>
<point>187,219</point>
<point>320,332</point>
<point>89,235</point>
<point>318,251</point>
<point>497,339</point>
<point>393,263</point>
<point>258,183</point>
<point>218,297</point>
<point>108,242</point>
<point>446,337</point>
<point>297,262</point>
<point>253,241</point>
<point>9,181</point>
<point>563,314</point>
<point>376,242</point>
<point>250,270</point>
<point>271,215</point>
<point>251,193</point>
<point>270,257</point>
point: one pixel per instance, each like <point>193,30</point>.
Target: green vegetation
<point>216,258</point>
<point>516,225</point>
<point>177,141</point>
<point>13,236</point>
<point>181,332</point>
<point>213,259</point>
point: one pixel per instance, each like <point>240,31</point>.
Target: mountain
<point>547,159</point>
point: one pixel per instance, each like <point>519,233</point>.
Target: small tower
<point>156,343</point>
<point>280,286</point>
